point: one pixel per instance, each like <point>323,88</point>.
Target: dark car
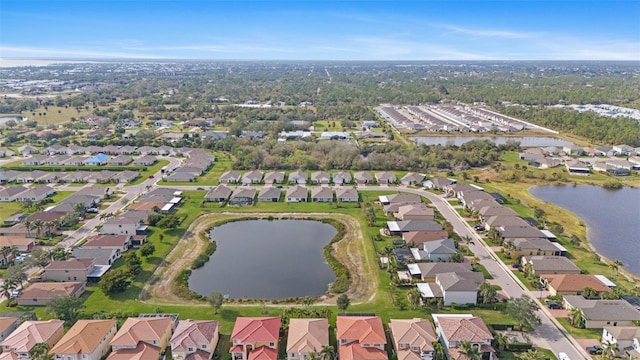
<point>479,227</point>
<point>554,305</point>
<point>516,265</point>
<point>594,350</point>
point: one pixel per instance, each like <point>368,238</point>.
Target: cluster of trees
<point>119,279</point>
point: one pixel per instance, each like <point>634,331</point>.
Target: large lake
<point>525,141</point>
<point>612,218</point>
<point>263,259</point>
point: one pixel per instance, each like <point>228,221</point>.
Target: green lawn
<point>580,333</point>
<point>9,208</point>
<point>151,170</point>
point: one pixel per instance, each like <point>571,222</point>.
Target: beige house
<point>455,329</point>
<point>86,340</point>
<point>306,336</point>
<point>41,293</point>
<point>600,313</point>
<point>413,338</point>
<point>31,333</point>
<point>414,212</point>
<point>199,337</point>
<point>550,265</point>
<point>572,284</point>
<point>154,331</point>
<point>69,270</point>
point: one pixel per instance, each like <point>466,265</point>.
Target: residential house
<point>600,313</point>
<point>427,271</point>
<point>35,193</point>
<point>572,284</point>
<point>531,246</point>
<point>86,340</point>
<point>386,177</point>
<point>101,177</point>
<point>414,212</point>
<point>104,257</point>
<point>572,150</point>
<point>623,150</point>
<point>119,243</point>
<point>298,177</point>
<point>416,238</point>
<point>218,194</point>
<point>439,250</point>
<point>498,221</point>
<point>347,195</point>
<point>230,177</point>
<point>76,160</point>
<point>58,160</point>
<point>21,242</point>
<point>98,159</point>
<point>39,294</point>
<point>363,177</point>
<point>412,179</point>
<point>121,225</point>
<point>155,331</point>
<point>120,160</point>
<point>413,338</point>
<point>255,338</point>
<point>26,150</point>
<point>320,177</point>
<point>243,196</point>
<point>577,167</point>
<point>6,153</point>
<point>69,270</point>
<point>7,325</point>
<point>321,194</point>
<point>142,351</point>
<point>438,183</point>
<point>397,228</point>
<point>11,193</point>
<point>459,287</point>
<point>126,176</point>
<point>342,177</point>
<point>297,193</point>
<point>455,329</point>
<point>361,338</point>
<point>274,177</point>
<point>334,135</point>
<point>145,160</point>
<point>306,337</point>
<point>252,177</point>
<point>520,232</point>
<point>400,198</point>
<point>626,337</point>
<point>549,265</point>
<point>194,339</point>
<point>269,194</point>
<point>163,123</point>
<point>181,177</point>
<point>29,334</point>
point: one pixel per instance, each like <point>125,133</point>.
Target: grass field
<point>54,115</point>
<point>151,170</point>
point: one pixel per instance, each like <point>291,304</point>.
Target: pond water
<point>263,259</point>
<point>612,218</point>
<point>525,141</point>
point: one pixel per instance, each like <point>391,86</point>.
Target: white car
<point>15,293</point>
<point>563,356</point>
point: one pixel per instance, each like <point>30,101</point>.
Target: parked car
<point>479,228</point>
<point>516,265</point>
<point>563,356</point>
<point>554,305</point>
<point>594,350</point>
<point>14,293</point>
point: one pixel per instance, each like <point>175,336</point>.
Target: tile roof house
<point>194,339</point>
<point>600,313</point>
<point>347,194</point>
<point>572,284</point>
<point>86,340</point>
<point>41,293</point>
<point>361,338</point>
<point>297,193</point>
<point>154,331</point>
<point>31,333</point>
<point>269,194</point>
<point>363,177</point>
<point>416,238</point>
<point>550,265</point>
<point>321,194</point>
<point>142,351</point>
<point>298,177</point>
<point>121,225</point>
<point>342,177</point>
<point>230,177</point>
<point>627,338</point>
<point>413,338</point>
<point>320,177</point>
<point>104,257</point>
<point>306,337</point>
<point>275,177</point>
<point>120,243</point>
<point>69,270</point>
<point>7,325</point>
<point>218,194</point>
<point>454,329</point>
<point>251,335</point>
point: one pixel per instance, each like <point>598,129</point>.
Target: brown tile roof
<point>193,334</point>
<point>263,353</point>
<point>107,240</point>
<point>419,237</point>
<point>575,282</point>
<point>256,329</point>
<point>48,290</point>
<point>142,351</point>
<point>364,329</point>
<point>136,330</point>
<point>83,337</point>
<point>460,329</point>
<point>307,335</point>
<point>70,264</point>
<point>14,240</point>
<point>354,351</point>
<point>30,333</point>
<point>5,322</point>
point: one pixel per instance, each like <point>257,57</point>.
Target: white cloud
<point>505,34</point>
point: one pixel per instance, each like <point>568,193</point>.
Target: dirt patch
<point>350,251</point>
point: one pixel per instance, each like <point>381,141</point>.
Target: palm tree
<point>494,235</point>
<point>531,355</point>
<point>501,341</point>
<point>328,352</point>
<point>576,317</point>
<point>468,242</point>
<point>40,351</point>
<point>615,266</point>
<point>488,293</point>
<point>7,287</point>
<point>48,225</point>
<point>469,351</point>
<point>29,226</point>
<point>438,350</point>
<point>414,298</point>
<point>474,262</point>
<point>37,224</point>
<point>589,292</point>
<point>610,350</point>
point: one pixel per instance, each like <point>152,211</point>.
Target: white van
<point>563,356</point>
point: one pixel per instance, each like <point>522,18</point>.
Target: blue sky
<point>322,30</point>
